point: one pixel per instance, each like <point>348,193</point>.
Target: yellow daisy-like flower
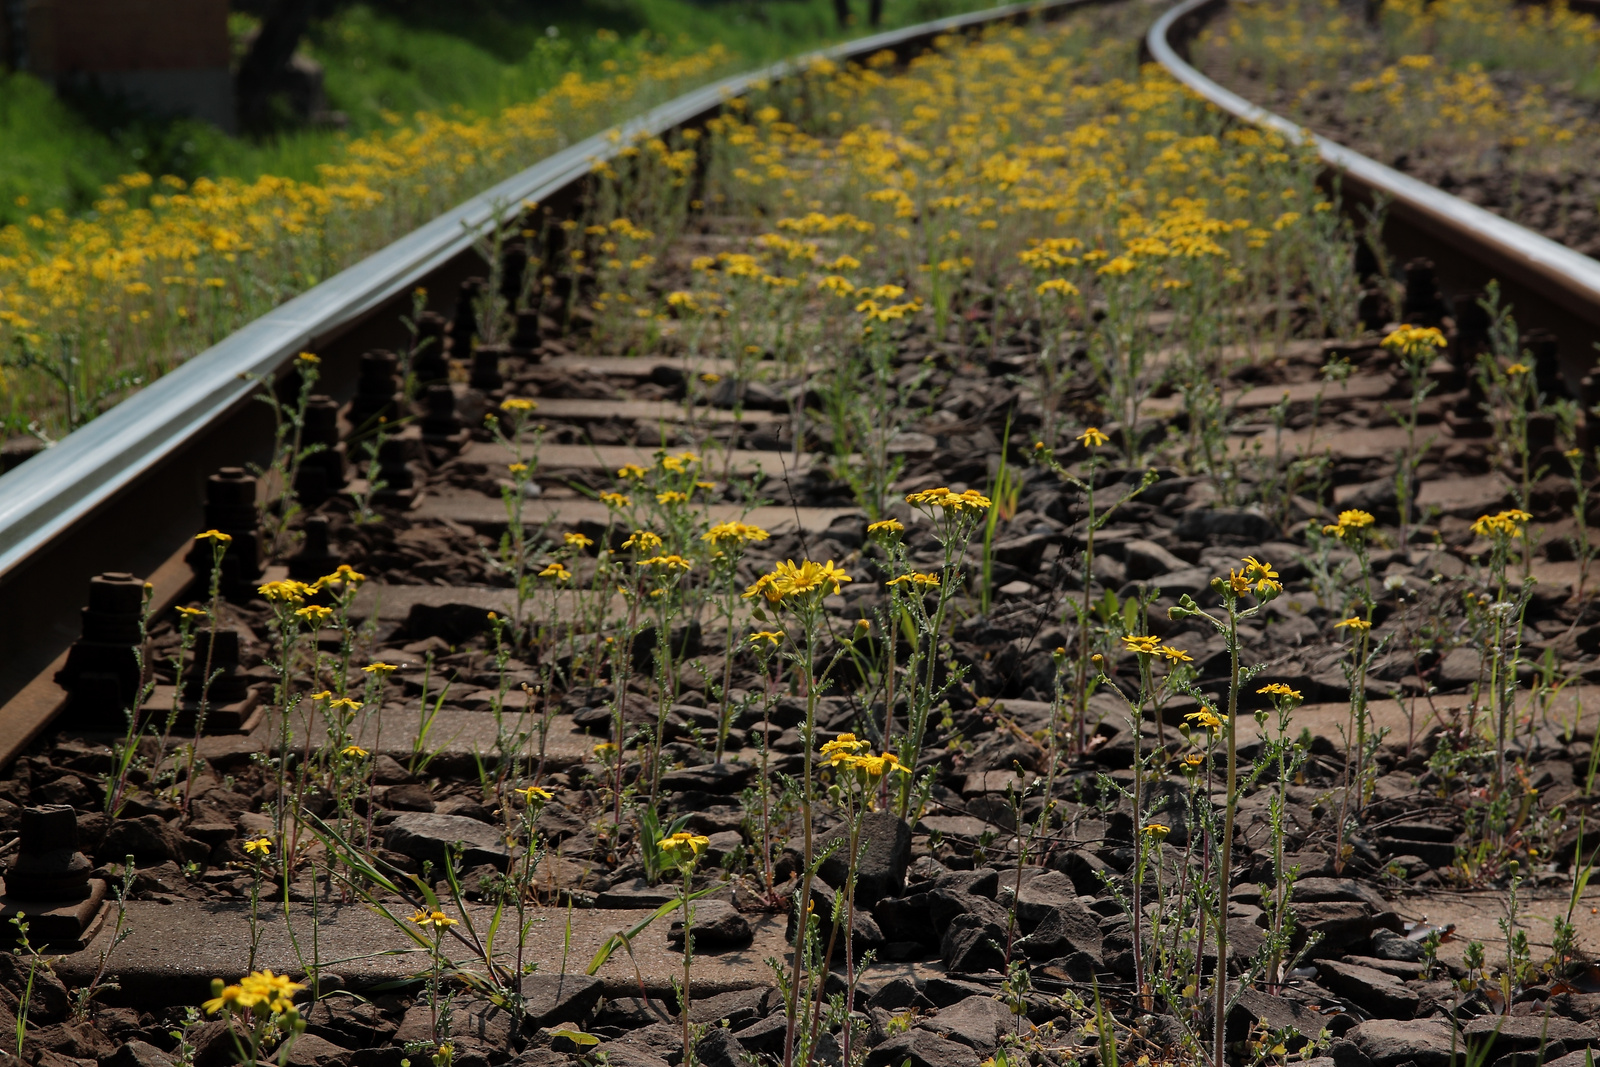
<point>630,471</point>
<point>288,591</point>
<point>228,998</point>
<point>309,358</point>
<point>926,580</point>
<point>773,636</point>
<point>1349,522</point>
<point>191,613</point>
<point>557,571</point>
<point>258,846</point>
<point>671,497</point>
<point>576,540</point>
<point>733,533</point>
<point>517,404</point>
<point>683,847</point>
<point>1204,719</point>
<point>215,535</point>
<point>354,752</point>
<point>1174,655</point>
<point>533,792</point>
<point>1155,830</point>
<point>1256,569</point>
<point>789,579</point>
<point>843,747</point>
<point>1412,340</point>
<point>1504,524</point>
<point>380,669</point>
<point>436,919</point>
<point>943,497</point>
<point>1278,689</point>
<point>1516,369</point>
<point>315,614</point>
<point>276,991</point>
<point>1092,437</point>
<point>1148,646</point>
<point>345,704</point>
<point>517,468</point>
<point>878,766</point>
<point>643,540</point>
<point>679,463</point>
<point>615,500</point>
<point>1353,623</point>
<point>673,562</point>
<point>886,528</point>
<point>342,575</point>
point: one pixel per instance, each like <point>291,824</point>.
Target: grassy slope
<point>398,56</point>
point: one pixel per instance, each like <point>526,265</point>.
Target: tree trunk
<point>265,68</point>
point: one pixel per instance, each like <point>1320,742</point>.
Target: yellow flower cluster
<point>789,580</point>
<point>1412,341</point>
<point>271,992</point>
<point>1350,524</point>
<point>852,753</point>
<point>1504,524</point>
<point>1152,646</point>
<point>734,533</point>
<point>682,848</point>
<point>969,500</point>
<point>160,269</point>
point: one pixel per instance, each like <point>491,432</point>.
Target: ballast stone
<point>428,837</point>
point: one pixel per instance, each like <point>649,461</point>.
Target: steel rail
<point>65,484</point>
<point>1570,279</point>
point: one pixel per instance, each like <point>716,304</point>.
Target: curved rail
<point>65,484</point>
<point>1568,278</point>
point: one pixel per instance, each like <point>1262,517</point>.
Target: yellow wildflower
<point>436,919</point>
<point>643,541</point>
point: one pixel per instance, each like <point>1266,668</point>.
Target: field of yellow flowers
<point>1490,100</point>
<point>962,566</point>
<point>92,306</point>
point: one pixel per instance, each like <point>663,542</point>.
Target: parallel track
<point>1548,282</point>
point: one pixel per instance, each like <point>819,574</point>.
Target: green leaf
<point>577,1037</point>
<point>638,928</point>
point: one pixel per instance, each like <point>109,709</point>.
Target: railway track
<point>67,515</point>
<point>751,437</point>
<point>1551,283</point>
